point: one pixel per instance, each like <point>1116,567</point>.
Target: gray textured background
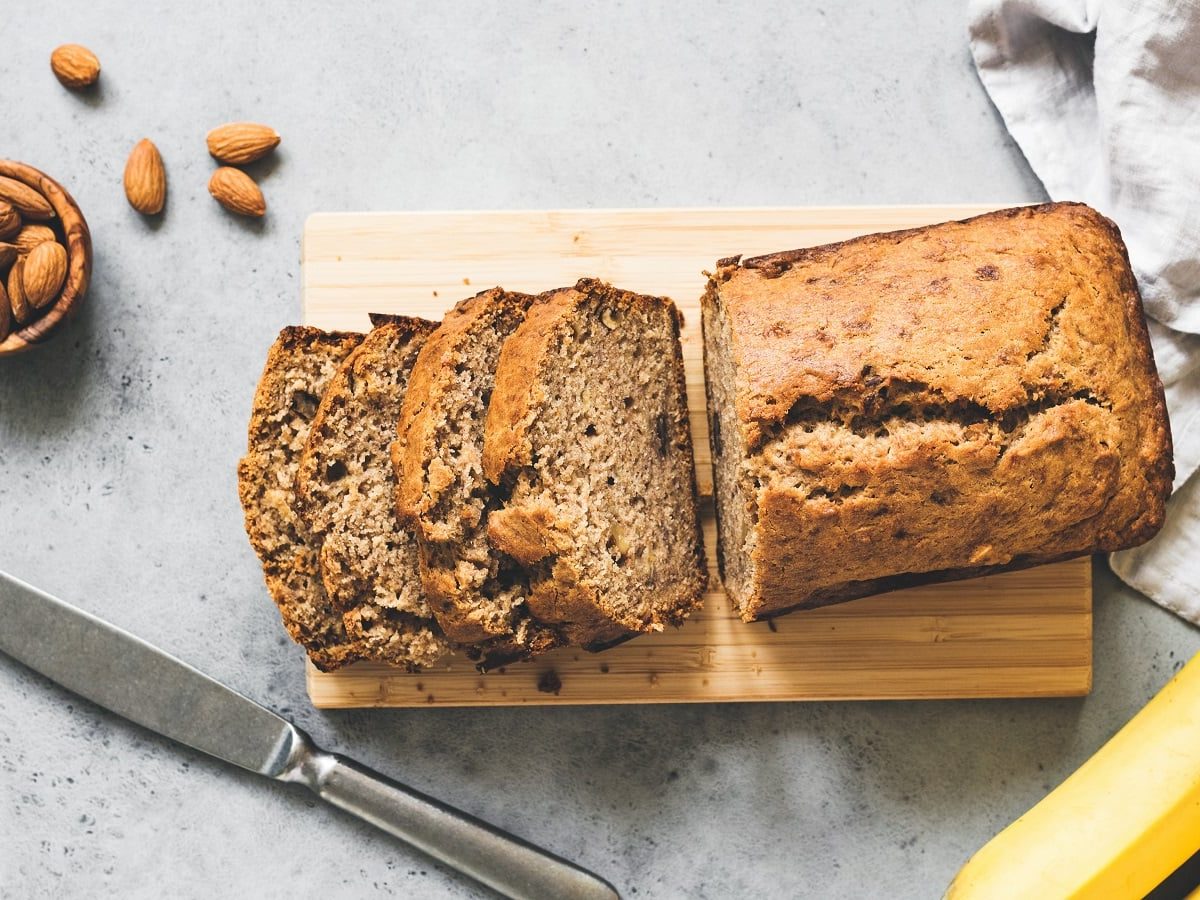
<point>118,441</point>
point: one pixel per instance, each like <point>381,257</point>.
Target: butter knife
<point>128,676</point>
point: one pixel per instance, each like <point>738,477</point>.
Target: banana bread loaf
<point>930,404</point>
<point>587,439</point>
<point>346,487</point>
<point>299,367</point>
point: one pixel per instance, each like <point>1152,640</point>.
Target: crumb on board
<point>549,682</point>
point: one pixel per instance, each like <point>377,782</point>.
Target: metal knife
<point>125,674</point>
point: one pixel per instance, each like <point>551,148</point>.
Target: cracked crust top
<point>966,396</point>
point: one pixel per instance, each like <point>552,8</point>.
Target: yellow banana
<point>1124,821</point>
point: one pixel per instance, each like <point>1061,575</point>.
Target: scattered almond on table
<point>237,192</point>
<point>146,179</point>
<point>239,143</point>
<point>75,66</point>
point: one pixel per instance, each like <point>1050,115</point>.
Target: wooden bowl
<point>73,233</point>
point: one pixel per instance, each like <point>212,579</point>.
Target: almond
<point>32,235</point>
<point>239,143</point>
<point>44,274</point>
<point>75,66</point>
<point>10,220</point>
<point>16,294</point>
<point>5,315</point>
<point>237,192</point>
<point>146,179</point>
<point>8,254</point>
<point>28,202</point>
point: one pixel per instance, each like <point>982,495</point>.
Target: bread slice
<point>346,488</point>
<point>300,365</point>
<point>477,593</point>
<point>587,433</point>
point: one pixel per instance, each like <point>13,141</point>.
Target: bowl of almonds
<point>45,256</point>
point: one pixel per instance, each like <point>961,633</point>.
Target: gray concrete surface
<point>118,441</point>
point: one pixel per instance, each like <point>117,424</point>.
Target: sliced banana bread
<point>300,365</point>
<point>587,434</point>
<point>346,490</point>
<point>477,593</point>
<point>930,404</point>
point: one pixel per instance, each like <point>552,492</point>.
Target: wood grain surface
<point>1022,634</point>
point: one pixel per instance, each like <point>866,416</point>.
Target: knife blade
<point>136,680</point>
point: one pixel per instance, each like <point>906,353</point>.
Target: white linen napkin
<point>1103,97</point>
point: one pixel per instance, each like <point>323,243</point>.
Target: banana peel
<point>1118,826</point>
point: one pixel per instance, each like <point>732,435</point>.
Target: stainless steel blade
<point>123,673</point>
<point>128,676</point>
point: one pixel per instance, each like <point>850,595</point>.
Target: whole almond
<point>237,192</point>
<point>239,143</point>
<point>8,253</point>
<point>28,202</point>
<point>5,315</point>
<point>10,220</point>
<point>16,294</point>
<point>146,179</point>
<point>75,66</point>
<point>45,272</point>
<point>32,235</point>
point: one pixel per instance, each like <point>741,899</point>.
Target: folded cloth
<point>1103,97</point>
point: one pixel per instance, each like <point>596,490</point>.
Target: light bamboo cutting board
<point>1022,634</point>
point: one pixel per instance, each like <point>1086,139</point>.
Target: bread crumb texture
<point>587,438</point>
<point>346,491</point>
<point>476,593</point>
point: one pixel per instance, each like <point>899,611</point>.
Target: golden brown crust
<point>431,377</point>
<point>507,446</point>
<point>299,365</point>
<point>970,397</point>
<point>528,533</point>
<point>534,532</point>
<point>476,594</point>
<point>518,389</point>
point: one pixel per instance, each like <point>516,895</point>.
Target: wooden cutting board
<point>1022,634</point>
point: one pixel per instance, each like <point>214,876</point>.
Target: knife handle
<point>500,860</point>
